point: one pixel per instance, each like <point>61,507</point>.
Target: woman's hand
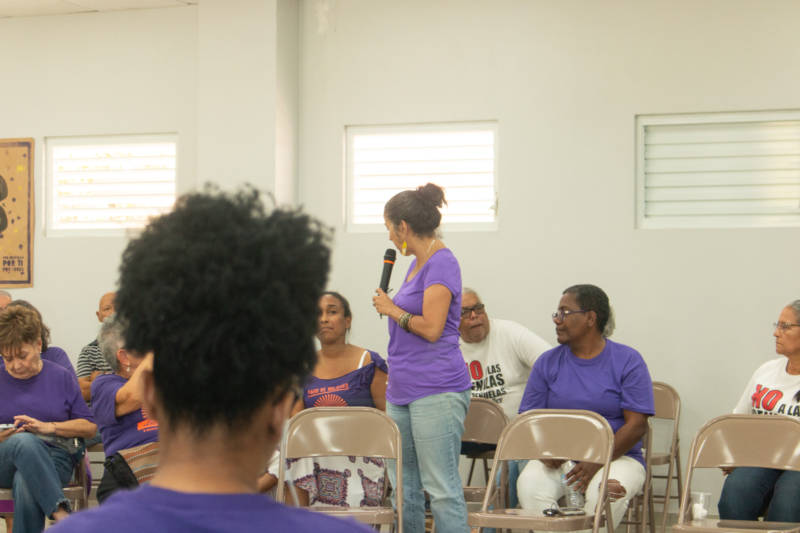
<point>32,425</point>
<point>382,303</point>
<point>581,474</point>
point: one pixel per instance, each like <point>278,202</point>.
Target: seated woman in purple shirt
<point>49,353</point>
<point>429,386</point>
<point>117,400</point>
<point>589,371</point>
<point>43,403</point>
<point>345,375</point>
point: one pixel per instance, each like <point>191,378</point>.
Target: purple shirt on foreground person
<point>419,368</point>
<point>59,357</point>
<point>614,380</point>
<point>52,395</point>
<point>120,432</point>
<point>150,508</point>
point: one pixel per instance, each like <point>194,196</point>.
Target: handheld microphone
<point>388,264</point>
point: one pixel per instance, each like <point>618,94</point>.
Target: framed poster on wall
<point>16,212</point>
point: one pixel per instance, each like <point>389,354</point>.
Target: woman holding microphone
<point>429,387</point>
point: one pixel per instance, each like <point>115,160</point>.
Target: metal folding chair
<point>728,441</point>
<point>551,434</point>
<point>345,431</point>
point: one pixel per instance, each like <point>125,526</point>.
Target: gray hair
<point>6,293</point>
<point>467,290</point>
<point>795,305</point>
<point>608,330</point>
<point>111,339</point>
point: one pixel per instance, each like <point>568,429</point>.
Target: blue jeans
<point>748,491</point>
<point>431,428</point>
<point>35,472</point>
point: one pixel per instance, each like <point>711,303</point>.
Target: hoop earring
<point>404,248</point>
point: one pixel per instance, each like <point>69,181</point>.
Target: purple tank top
<point>352,389</point>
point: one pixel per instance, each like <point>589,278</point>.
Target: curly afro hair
<point>224,293</point>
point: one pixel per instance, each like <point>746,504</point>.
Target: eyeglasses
<point>784,326</point>
<point>561,314</point>
<point>477,308</point>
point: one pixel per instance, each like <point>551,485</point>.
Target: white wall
<point>113,73</point>
<point>235,83</point>
<point>565,79</point>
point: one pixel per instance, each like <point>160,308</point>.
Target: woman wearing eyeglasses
<point>589,371</point>
<point>429,387</point>
<point>774,389</point>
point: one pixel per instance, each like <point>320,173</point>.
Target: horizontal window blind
<point>735,170</point>
<point>385,160</point>
<point>109,183</point>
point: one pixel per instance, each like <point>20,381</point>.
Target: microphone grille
<point>391,253</point>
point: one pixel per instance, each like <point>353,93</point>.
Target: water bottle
<point>573,496</point>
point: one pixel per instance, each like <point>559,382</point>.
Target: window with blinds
<point>460,157</point>
<point>106,185</point>
<point>719,170</point>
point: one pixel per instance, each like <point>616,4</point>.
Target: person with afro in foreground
<point>224,294</point>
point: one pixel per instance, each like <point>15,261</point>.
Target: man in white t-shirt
<point>499,355</point>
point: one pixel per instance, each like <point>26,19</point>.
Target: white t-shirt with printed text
<point>770,391</point>
<point>500,364</point>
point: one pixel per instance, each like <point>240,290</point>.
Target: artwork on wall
<point>16,212</point>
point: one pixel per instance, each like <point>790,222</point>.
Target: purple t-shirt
<point>614,380</point>
<point>419,368</point>
<point>59,357</point>
<point>352,389</point>
<point>150,508</point>
<point>52,395</point>
<point>121,432</point>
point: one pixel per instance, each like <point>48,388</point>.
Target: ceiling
<point>32,8</point>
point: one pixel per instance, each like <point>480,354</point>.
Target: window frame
<point>349,182</point>
<point>52,142</point>
<point>702,221</point>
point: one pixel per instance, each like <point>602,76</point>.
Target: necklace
<point>430,246</point>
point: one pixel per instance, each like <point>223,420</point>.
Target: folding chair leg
<point>668,494</point>
<point>609,518</point>
<point>486,470</point>
<point>471,470</point>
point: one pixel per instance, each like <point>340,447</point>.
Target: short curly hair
<point>593,298</point>
<point>19,325</point>
<point>45,330</point>
<point>224,293</point>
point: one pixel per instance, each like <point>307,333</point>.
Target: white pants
<point>540,487</point>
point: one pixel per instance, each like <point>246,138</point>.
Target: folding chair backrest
<point>557,434</point>
<point>337,431</point>
<point>748,440</point>
<point>742,440</point>
<point>345,431</point>
<point>667,401</point>
<point>484,422</point>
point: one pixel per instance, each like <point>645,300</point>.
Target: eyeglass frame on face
<point>562,314</point>
<point>784,326</point>
<point>479,308</point>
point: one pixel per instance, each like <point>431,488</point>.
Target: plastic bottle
<point>573,496</point>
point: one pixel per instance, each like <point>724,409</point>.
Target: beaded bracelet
<point>404,318</point>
